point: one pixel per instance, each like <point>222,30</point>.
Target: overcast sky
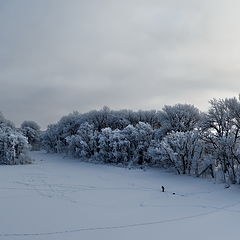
<point>57,56</point>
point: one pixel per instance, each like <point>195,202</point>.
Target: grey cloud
<point>57,56</point>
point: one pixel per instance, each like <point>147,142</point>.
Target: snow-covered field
<point>64,199</point>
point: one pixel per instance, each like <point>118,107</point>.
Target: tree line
<point>16,142</point>
<point>179,137</point>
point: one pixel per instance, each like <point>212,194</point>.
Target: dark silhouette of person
<point>163,189</point>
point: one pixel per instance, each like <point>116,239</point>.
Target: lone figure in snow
<point>163,188</point>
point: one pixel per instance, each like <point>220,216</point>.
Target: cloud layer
<point>57,56</point>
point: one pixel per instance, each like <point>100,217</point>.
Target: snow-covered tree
<point>13,145</point>
<point>127,145</point>
<point>100,119</point>
<point>120,145</point>
<point>51,139</point>
<point>183,151</point>
<point>84,142</point>
<point>139,138</point>
<point>221,128</point>
<point>30,124</point>
<point>144,137</point>
<point>179,118</point>
<point>6,122</point>
<point>31,130</point>
<point>105,147</point>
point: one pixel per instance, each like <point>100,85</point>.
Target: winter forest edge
<point>180,138</point>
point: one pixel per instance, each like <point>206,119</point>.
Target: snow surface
<point>64,199</point>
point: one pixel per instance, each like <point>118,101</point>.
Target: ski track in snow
<point>45,188</point>
<point>119,226</point>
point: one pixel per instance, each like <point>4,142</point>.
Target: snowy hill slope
<point>62,198</point>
